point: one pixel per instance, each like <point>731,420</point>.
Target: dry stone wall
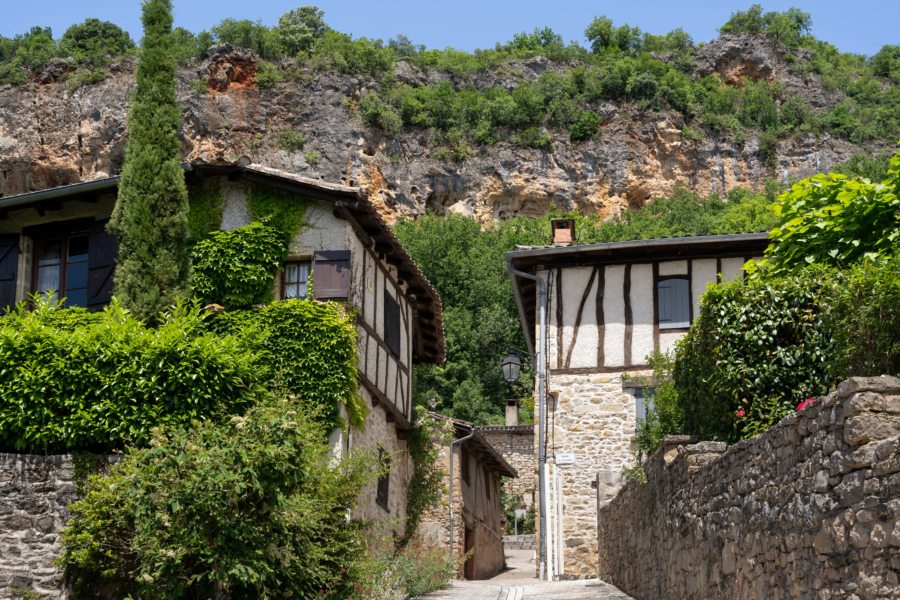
<point>516,444</point>
<point>809,509</point>
<point>34,493</point>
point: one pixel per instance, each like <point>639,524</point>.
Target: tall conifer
<point>150,217</point>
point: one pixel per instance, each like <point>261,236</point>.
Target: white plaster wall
<point>584,353</point>
<point>673,267</point>
<point>642,294</point>
<point>323,231</point>
<point>667,340</point>
<point>235,211</point>
<point>732,268</point>
<point>614,317</point>
<point>703,273</point>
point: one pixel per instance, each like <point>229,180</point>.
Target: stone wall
<point>516,445</point>
<point>811,508</point>
<point>594,423</point>
<point>34,493</point>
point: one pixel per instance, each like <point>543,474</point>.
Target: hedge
<point>73,380</point>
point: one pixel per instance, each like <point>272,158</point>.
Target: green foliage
<point>267,75</point>
<point>312,158</point>
<point>237,268</point>
<point>533,138</point>
<point>425,444</point>
<point>252,508</point>
<point>95,41</point>
<point>279,210</point>
<point>886,63</point>
<point>305,348</point>
<point>509,503</point>
<point>585,127</point>
<point>866,166</point>
<point>834,219</point>
<point>150,216</point>
<point>186,46</point>
<point>604,36</point>
<point>205,204</point>
<point>417,568</point>
<point>298,29</point>
<point>85,76</point>
<point>248,34</point>
<point>75,380</point>
<point>290,140</point>
<point>340,52</point>
<point>788,27</point>
<point>758,347</point>
<point>863,319</point>
<point>665,415</point>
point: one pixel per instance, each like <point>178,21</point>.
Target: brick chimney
<point>563,231</point>
<point>512,413</point>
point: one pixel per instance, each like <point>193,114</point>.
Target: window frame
<point>393,324</point>
<point>656,299</point>
<point>383,486</point>
<point>284,282</point>
<point>39,242</point>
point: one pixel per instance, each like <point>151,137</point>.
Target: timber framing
<point>552,260</point>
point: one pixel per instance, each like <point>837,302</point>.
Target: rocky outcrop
<point>50,136</point>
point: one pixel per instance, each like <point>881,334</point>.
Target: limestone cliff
<point>51,137</point>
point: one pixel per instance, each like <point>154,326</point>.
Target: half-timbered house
<point>608,307</point>
<point>55,239</point>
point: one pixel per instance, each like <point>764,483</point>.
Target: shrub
<point>418,568</point>
<point>665,415</point>
<point>534,138</point>
<point>759,347</point>
<point>305,348</point>
<point>267,75</point>
<point>585,127</point>
<point>237,268</point>
<point>298,29</point>
<point>312,158</point>
<point>252,508</point>
<point>71,380</point>
<point>290,140</point>
<point>95,41</point>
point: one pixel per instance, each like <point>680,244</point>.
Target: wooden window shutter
<point>9,266</point>
<point>382,491</point>
<point>331,275</point>
<point>674,302</point>
<point>101,266</point>
<point>391,323</point>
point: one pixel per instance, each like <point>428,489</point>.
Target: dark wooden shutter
<point>382,491</point>
<point>9,266</point>
<point>391,323</point>
<point>101,266</point>
<point>331,275</point>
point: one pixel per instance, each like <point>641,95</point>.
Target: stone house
<point>55,239</point>
<point>608,306</point>
<point>470,518</point>
<point>515,443</point>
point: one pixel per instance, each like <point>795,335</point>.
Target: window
<point>674,303</point>
<point>643,402</point>
<point>384,480</point>
<point>61,268</point>
<point>391,323</point>
<point>294,284</point>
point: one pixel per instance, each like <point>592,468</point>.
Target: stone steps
<point>518,542</point>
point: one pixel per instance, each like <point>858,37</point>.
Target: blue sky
<point>861,26</point>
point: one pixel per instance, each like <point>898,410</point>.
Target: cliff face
<point>51,137</point>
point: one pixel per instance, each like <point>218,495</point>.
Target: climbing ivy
<point>205,209</point>
<point>282,211</point>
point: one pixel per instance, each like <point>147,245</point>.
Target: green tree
<point>150,216</point>
<point>787,27</point>
<point>298,29</point>
<point>95,41</point>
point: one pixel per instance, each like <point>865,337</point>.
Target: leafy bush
<point>71,380</point>
<point>787,27</point>
<point>426,443</point>
<point>665,416</point>
<point>533,138</point>
<point>305,348</point>
<point>585,127</point>
<point>298,29</point>
<point>290,140</point>
<point>834,219</point>
<point>756,350</point>
<point>237,268</point>
<point>418,568</point>
<point>95,41</point>
<point>252,508</point>
<point>267,75</point>
<point>249,34</point>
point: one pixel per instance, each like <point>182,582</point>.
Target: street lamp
<point>512,366</point>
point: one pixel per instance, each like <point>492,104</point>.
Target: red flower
<point>740,413</point>
<point>805,403</point>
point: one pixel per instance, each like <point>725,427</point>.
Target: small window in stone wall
<point>392,323</point>
<point>384,480</point>
<point>643,402</point>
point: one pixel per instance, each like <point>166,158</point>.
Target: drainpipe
<point>542,394</point>
<point>452,476</point>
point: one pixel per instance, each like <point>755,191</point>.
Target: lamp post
<point>512,366</point>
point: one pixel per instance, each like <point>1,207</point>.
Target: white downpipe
<point>560,563</point>
<point>551,571</point>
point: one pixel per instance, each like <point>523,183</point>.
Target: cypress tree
<point>150,216</point>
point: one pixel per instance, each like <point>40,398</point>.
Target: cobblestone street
<point>519,583</point>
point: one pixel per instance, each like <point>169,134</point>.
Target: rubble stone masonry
<point>34,493</point>
<point>809,509</point>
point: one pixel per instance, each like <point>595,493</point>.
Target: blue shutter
<point>674,303</point>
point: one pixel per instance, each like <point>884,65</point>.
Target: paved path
<point>519,583</point>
